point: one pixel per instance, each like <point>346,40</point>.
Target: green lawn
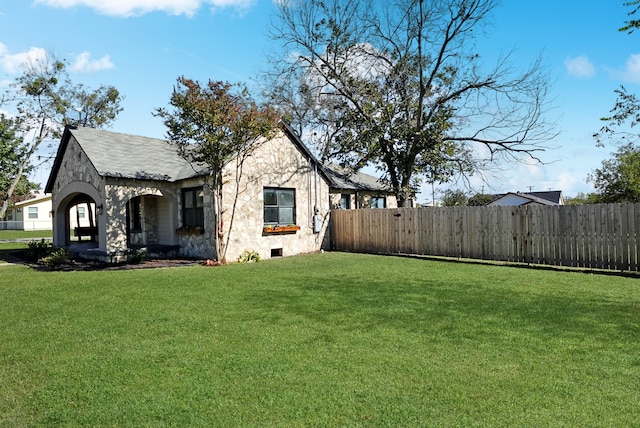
<point>24,234</point>
<point>323,340</point>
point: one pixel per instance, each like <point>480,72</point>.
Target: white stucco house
<point>36,214</point>
<point>31,214</point>
<point>147,196</point>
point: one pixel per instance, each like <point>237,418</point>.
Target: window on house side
<point>378,202</point>
<point>345,201</point>
<point>81,212</point>
<point>33,212</point>
<point>279,206</point>
<point>193,207</point>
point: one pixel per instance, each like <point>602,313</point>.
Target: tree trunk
<point>12,187</point>
<point>23,164</point>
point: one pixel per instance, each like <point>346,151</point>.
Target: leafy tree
<point>46,101</point>
<point>212,125</point>
<point>454,198</point>
<point>12,150</point>
<point>632,24</point>
<point>480,200</point>
<point>625,114</point>
<point>581,199</point>
<point>399,85</point>
<point>618,180</point>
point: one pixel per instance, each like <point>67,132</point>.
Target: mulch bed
<point>147,264</point>
<point>86,265</point>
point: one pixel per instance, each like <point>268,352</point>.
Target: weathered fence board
<point>587,236</point>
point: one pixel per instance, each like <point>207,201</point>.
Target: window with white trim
<point>378,202</point>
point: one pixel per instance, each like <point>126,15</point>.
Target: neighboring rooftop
<point>37,197</point>
<point>343,179</point>
<point>553,197</point>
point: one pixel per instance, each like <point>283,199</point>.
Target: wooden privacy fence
<point>589,236</point>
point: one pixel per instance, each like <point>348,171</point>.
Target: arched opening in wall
<point>81,222</point>
<point>151,224</point>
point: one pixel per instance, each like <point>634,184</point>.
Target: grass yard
<point>24,234</point>
<point>322,340</point>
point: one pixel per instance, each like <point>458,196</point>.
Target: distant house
<point>36,214</point>
<point>30,214</point>
<point>352,190</point>
<point>538,198</point>
<point>147,196</point>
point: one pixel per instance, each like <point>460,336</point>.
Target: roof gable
<point>297,141</point>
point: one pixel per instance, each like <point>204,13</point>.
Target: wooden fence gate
<point>590,236</point>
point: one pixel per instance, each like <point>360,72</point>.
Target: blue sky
<point>142,46</point>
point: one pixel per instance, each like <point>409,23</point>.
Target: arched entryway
<point>78,219</point>
<point>81,218</point>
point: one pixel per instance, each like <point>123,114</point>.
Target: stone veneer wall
<point>76,167</point>
<point>275,163</point>
<point>76,175</point>
<point>192,244</point>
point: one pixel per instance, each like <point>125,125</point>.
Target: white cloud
<point>580,67</point>
<point>631,71</point>
<point>568,182</point>
<point>126,8</point>
<point>12,63</point>
<point>15,63</point>
<point>83,63</point>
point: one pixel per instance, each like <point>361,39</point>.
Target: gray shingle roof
<point>131,156</point>
<point>552,197</point>
<point>342,179</point>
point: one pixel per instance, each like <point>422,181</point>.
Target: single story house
<point>353,190</point>
<point>31,214</point>
<point>35,213</point>
<point>276,202</point>
<point>538,198</point>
